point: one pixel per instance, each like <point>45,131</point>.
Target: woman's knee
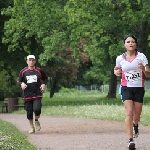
<point>137,117</point>
<point>129,114</point>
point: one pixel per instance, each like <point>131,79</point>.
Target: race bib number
<point>31,78</point>
<point>131,76</point>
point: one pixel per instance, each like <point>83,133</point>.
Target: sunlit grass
<point>102,112</point>
<point>89,105</point>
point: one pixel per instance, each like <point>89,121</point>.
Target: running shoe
<point>131,145</point>
<point>135,131</point>
<point>37,125</point>
<point>32,130</point>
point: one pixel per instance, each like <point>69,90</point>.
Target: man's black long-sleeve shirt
<point>33,79</point>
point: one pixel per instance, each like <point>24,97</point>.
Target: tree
<point>103,24</point>
<point>63,68</point>
<point>40,27</point>
<point>8,60</point>
<point>45,27</point>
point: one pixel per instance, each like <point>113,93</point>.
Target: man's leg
<point>37,111</point>
<point>29,109</point>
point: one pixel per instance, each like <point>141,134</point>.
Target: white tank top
<point>132,76</point>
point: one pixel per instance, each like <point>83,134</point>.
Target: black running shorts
<point>33,106</point>
<point>135,94</point>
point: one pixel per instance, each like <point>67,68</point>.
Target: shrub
<point>9,87</point>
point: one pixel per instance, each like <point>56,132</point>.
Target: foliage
<point>8,59</point>
<point>12,139</point>
<point>45,28</point>
<point>63,68</point>
<point>47,37</point>
<point>94,76</point>
<point>103,24</point>
<point>34,27</point>
<point>9,87</point>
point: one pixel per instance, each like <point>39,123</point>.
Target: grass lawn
<point>89,105</point>
<point>12,139</point>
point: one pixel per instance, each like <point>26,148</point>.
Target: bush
<point>9,87</point>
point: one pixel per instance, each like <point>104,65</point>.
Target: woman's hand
<point>141,66</point>
<point>145,69</point>
<point>117,71</point>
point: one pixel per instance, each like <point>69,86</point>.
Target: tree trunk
<point>53,88</point>
<point>52,93</point>
<point>112,85</point>
<point>142,37</point>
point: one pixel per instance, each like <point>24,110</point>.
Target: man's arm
<point>44,79</point>
<point>20,81</point>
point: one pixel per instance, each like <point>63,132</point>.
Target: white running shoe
<point>37,125</point>
<point>32,130</point>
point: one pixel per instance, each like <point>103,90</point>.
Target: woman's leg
<point>136,118</point>
<point>128,104</point>
<point>137,112</point>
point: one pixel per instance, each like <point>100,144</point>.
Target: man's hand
<point>23,85</point>
<point>42,87</point>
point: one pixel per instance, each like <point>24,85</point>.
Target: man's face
<point>31,62</point>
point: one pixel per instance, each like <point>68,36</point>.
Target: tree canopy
<point>44,28</point>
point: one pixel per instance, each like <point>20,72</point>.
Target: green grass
<point>12,139</point>
<point>89,105</point>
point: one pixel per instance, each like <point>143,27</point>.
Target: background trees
<point>49,28</point>
<point>8,60</point>
<point>103,24</point>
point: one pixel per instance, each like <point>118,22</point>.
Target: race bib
<point>131,76</point>
<point>31,78</point>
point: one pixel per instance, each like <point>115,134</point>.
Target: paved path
<point>78,134</point>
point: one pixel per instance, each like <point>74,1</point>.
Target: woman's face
<point>130,44</point>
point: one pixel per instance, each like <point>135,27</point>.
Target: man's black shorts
<point>135,94</point>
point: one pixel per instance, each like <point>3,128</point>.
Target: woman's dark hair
<point>130,35</point>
